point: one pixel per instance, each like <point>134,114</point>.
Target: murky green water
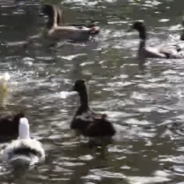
<point>144,103</point>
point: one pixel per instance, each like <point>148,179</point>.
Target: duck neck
<point>142,36</point>
<point>84,99</point>
<point>142,44</point>
<point>60,17</point>
<point>24,134</point>
<point>52,18</point>
<point>24,129</point>
<point>55,16</point>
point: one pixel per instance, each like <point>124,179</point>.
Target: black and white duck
<point>88,122</point>
<point>57,30</point>
<point>174,51</point>
<point>24,150</point>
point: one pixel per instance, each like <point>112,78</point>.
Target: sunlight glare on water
<point>146,103</point>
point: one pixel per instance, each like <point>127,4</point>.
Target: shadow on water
<point>144,101</point>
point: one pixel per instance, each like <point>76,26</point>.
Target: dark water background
<point>146,104</point>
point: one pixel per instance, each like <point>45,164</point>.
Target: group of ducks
<point>29,151</point>
<point>87,122</point>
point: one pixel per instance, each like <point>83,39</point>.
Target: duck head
<point>140,27</point>
<point>79,86</point>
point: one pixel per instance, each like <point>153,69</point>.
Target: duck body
<point>160,52</point>
<point>72,32</point>
<point>174,51</point>
<point>91,124</point>
<point>24,151</point>
<point>9,126</point>
<point>88,122</point>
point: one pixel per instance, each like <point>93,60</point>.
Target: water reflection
<point>144,101</point>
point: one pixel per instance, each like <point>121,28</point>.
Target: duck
<point>57,30</point>
<point>23,151</point>
<point>164,51</point>
<point>9,125</point>
<point>87,122</point>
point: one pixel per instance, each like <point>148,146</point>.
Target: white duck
<point>24,151</point>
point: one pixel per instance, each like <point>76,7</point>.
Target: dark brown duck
<point>88,122</point>
<point>9,126</point>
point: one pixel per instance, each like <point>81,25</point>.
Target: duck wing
<point>72,33</point>
<point>153,52</point>
<point>173,51</point>
<point>82,119</point>
<point>100,127</point>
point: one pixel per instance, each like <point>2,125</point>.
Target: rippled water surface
<point>145,103</point>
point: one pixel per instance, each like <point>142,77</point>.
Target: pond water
<point>146,103</point>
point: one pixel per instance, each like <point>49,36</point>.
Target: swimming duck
<point>73,32</point>
<point>86,121</point>
<point>24,150</point>
<point>9,125</point>
<point>166,51</point>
